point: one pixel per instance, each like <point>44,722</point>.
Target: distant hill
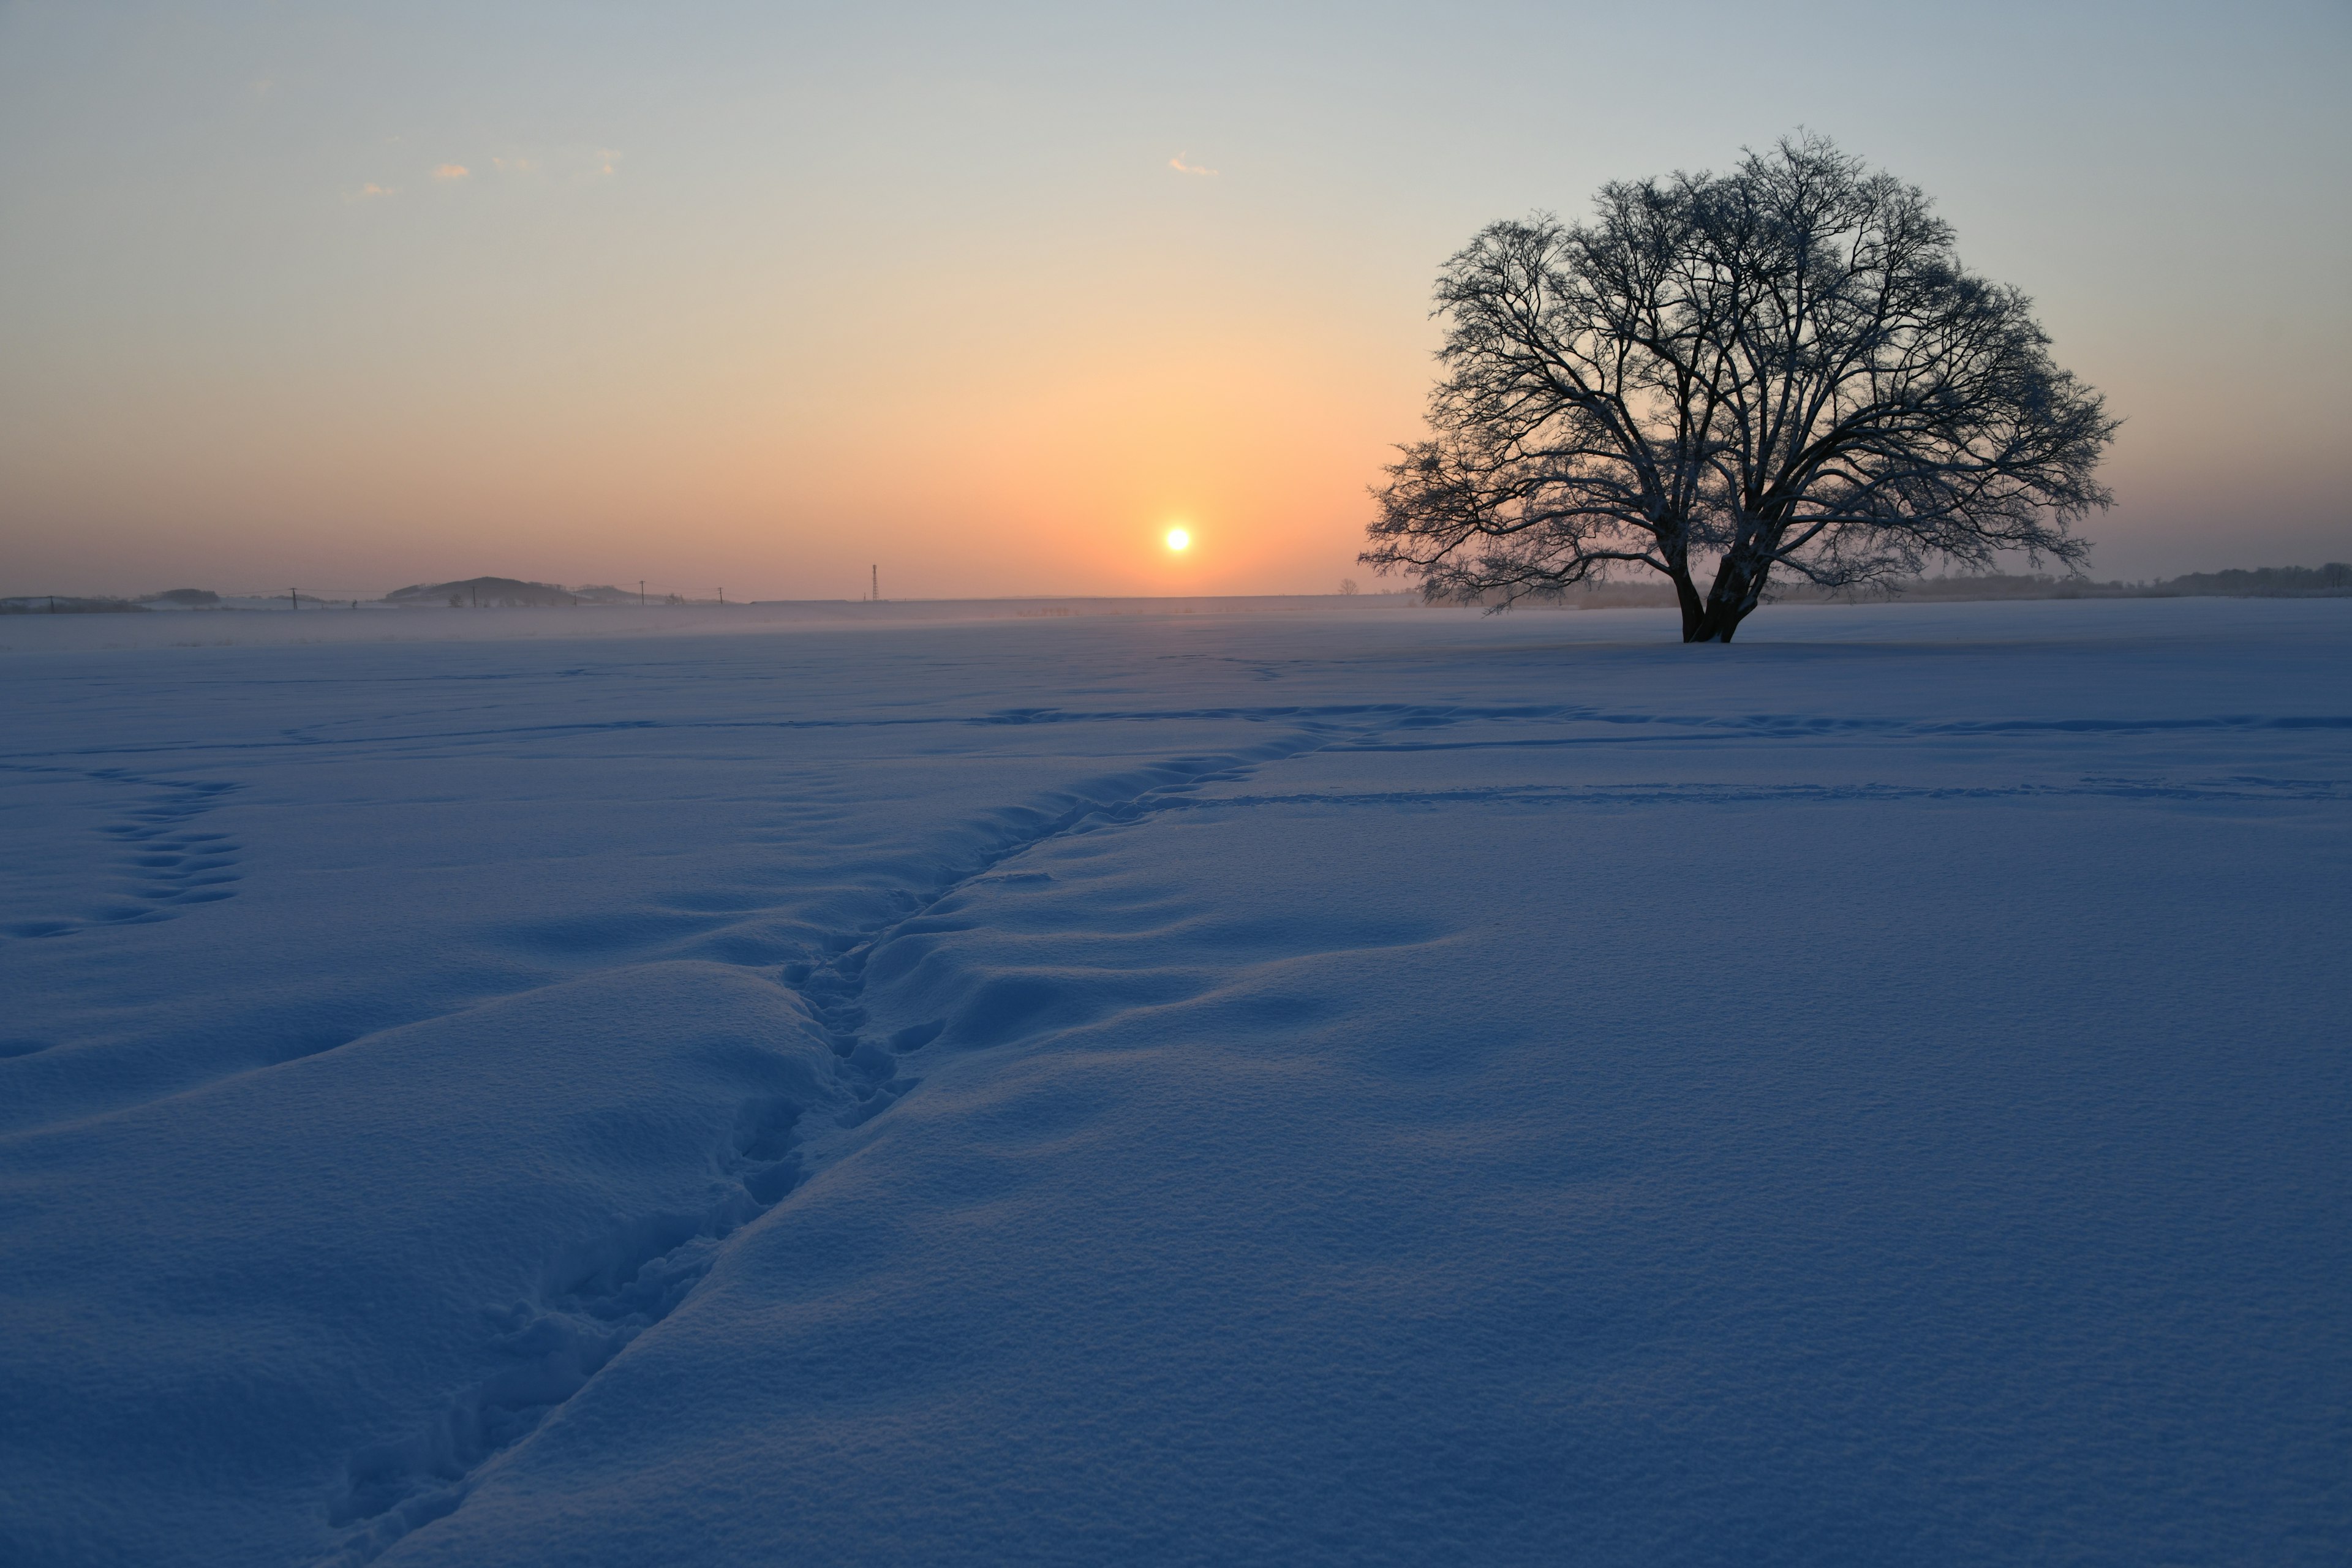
<point>504,592</point>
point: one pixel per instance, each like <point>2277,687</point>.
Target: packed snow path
<point>1386,1086</point>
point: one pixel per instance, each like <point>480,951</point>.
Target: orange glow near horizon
<point>700,458</point>
<point>367,335</point>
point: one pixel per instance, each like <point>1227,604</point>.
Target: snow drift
<point>1350,1087</point>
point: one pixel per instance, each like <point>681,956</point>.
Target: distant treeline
<point>67,605</point>
<point>2262,582</point>
<point>473,593</point>
<point>2331,581</point>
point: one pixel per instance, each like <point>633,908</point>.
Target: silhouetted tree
<point>1782,368</point>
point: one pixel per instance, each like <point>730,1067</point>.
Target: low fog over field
<point>1339,1086</point>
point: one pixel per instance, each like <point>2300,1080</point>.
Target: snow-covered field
<point>1377,1086</point>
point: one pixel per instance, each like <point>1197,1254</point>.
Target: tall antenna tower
<point>873,594</point>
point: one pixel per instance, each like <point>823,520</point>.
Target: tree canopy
<point>1780,369</point>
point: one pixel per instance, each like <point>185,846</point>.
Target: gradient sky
<point>750,296</point>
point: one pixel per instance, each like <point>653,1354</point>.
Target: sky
<point>756,297</point>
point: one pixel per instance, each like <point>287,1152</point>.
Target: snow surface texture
<point>1389,1086</point>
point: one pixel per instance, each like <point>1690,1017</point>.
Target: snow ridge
<point>836,989</point>
<point>602,1298</point>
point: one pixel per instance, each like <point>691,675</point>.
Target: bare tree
<point>1783,368</point>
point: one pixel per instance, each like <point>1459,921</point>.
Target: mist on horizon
<point>758,301</point>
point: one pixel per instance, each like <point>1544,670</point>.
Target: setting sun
<point>1178,539</point>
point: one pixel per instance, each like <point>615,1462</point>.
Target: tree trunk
<point>1687,594</point>
<point>1737,585</point>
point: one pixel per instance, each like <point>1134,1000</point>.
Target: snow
<point>1363,1086</point>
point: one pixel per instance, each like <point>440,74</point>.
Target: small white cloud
<point>451,172</point>
<point>370,191</point>
<point>607,156</point>
<point>1182,167</point>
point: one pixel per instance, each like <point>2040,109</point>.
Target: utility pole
<point>293,601</point>
<point>641,593</point>
<point>722,598</point>
<point>876,595</point>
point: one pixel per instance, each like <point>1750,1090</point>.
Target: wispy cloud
<point>514,165</point>
<point>451,172</point>
<point>370,192</point>
<point>1182,167</point>
<point>607,155</point>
